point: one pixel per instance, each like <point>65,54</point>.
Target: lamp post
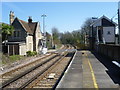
<point>44,45</point>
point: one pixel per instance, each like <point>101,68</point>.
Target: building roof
<point>33,26</point>
<point>48,34</point>
<point>29,27</point>
<point>101,19</point>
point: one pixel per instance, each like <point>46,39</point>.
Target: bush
<point>30,53</point>
<point>34,53</point>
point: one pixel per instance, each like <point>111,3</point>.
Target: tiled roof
<point>29,27</point>
<point>33,26</point>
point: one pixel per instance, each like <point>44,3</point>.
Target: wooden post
<point>97,36</point>
<point>8,50</point>
<point>13,50</point>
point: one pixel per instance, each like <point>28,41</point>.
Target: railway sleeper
<point>45,85</point>
<point>46,82</point>
<point>42,87</point>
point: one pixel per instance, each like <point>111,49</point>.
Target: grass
<point>15,57</point>
<point>59,46</point>
<point>10,59</point>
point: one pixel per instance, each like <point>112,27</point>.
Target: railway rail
<point>13,73</point>
<point>51,77</point>
<point>19,76</point>
<point>28,75</point>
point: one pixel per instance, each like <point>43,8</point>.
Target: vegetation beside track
<point>6,59</point>
<point>10,59</point>
<point>14,58</point>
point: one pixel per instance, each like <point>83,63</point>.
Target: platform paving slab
<point>79,74</point>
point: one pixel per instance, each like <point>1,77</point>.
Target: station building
<point>102,31</point>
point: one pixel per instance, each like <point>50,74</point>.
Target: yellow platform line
<point>92,72</point>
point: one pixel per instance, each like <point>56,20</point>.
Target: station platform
<point>88,71</point>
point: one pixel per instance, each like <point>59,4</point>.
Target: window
<point>16,33</point>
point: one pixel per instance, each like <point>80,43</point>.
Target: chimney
<point>11,16</point>
<point>30,19</point>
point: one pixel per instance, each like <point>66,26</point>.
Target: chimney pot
<point>11,17</point>
<point>30,19</point>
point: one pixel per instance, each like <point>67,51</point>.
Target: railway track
<point>51,77</point>
<point>28,75</point>
<point>23,68</point>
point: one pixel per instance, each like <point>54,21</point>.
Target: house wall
<point>109,34</point>
<point>22,49</point>
<point>26,38</point>
<point>29,43</point>
<point>38,36</point>
<point>18,28</point>
<point>108,26</point>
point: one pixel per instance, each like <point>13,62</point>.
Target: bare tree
<point>56,36</point>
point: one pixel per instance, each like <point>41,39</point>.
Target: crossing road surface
<point>90,70</point>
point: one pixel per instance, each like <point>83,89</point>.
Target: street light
<point>44,29</point>
<point>44,49</point>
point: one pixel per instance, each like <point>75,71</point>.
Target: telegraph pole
<point>119,19</point>
<point>119,25</point>
<point>44,44</point>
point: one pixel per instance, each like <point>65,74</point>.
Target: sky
<point>65,16</point>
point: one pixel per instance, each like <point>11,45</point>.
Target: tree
<point>86,26</point>
<point>68,38</point>
<point>72,38</point>
<point>77,37</point>
<point>86,31</point>
<point>7,30</point>
<point>56,34</point>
